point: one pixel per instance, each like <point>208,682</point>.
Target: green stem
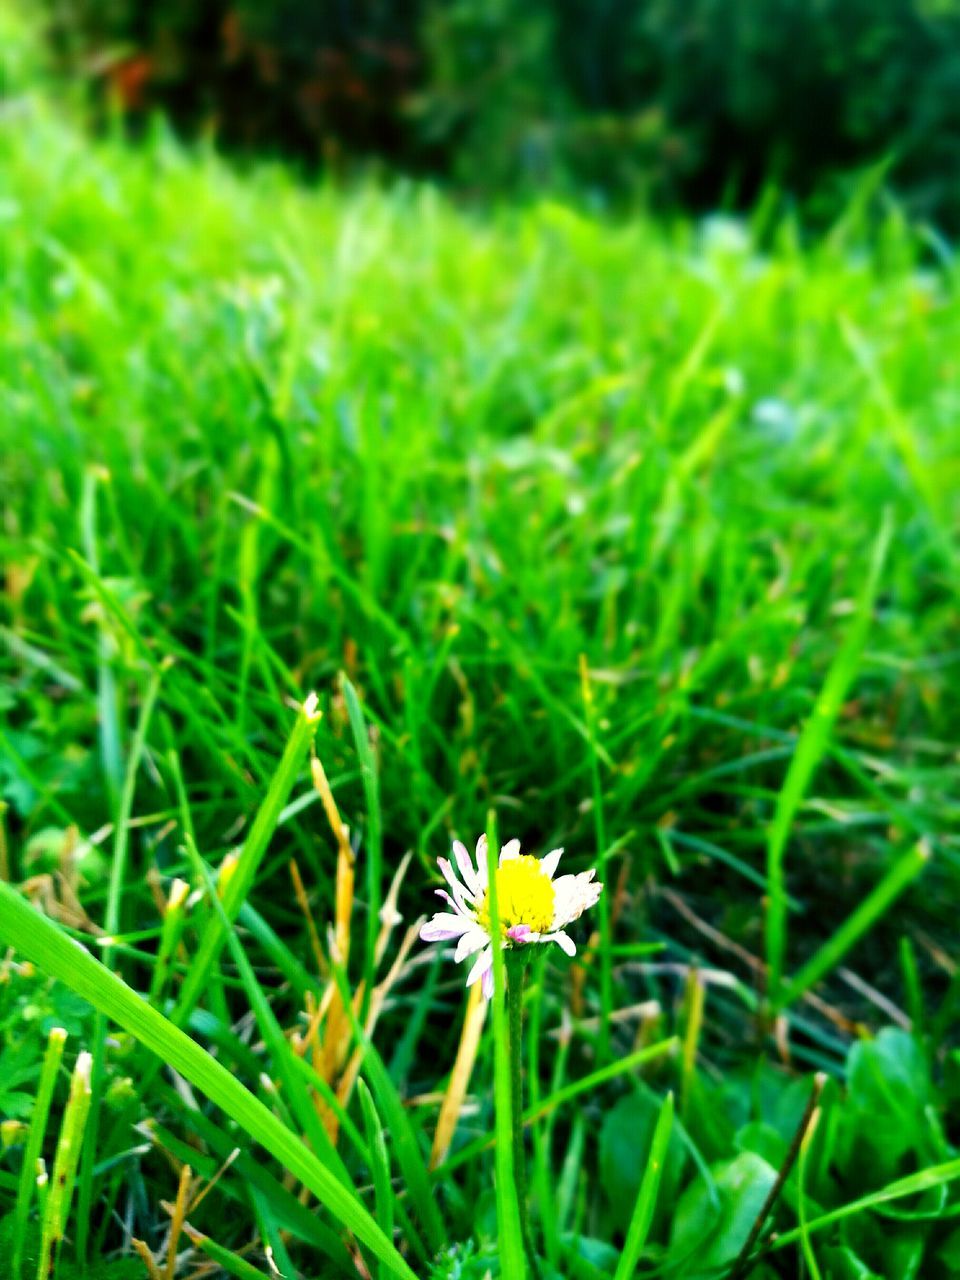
<point>516,968</point>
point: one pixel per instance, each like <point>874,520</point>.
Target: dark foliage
<point>693,100</point>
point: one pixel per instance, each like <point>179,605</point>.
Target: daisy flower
<point>532,905</point>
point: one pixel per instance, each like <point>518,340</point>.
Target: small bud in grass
<point>12,1133</point>
<point>121,1045</point>
<point>119,1093</point>
<point>179,890</point>
<point>226,873</point>
<point>83,1068</point>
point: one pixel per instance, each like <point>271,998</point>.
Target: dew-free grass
<point>643,537</point>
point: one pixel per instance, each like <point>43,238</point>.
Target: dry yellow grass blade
<point>316,1011</point>
<point>460,1076</point>
<point>336,1036</point>
<point>178,1213</point>
<point>301,896</point>
<point>146,1258</point>
<point>201,1195</point>
<point>377,999</point>
<point>390,917</point>
<point>4,851</point>
<point>345,858</point>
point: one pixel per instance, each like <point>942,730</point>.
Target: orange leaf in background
<point>129,79</point>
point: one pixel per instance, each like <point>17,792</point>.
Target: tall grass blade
<point>914,1184</point>
<point>34,1144</point>
<point>57,1208</point>
<point>374,838</point>
<point>111,924</point>
<point>251,856</point>
<point>811,746</point>
<point>379,1164</point>
<point>510,1234</point>
<point>642,1214</point>
<point>41,941</point>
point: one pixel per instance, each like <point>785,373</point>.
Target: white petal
<point>563,941</point>
<point>483,962</point>
<point>467,869</point>
<point>482,863</point>
<point>459,907</point>
<point>445,926</point>
<point>549,864</point>
<point>509,851</point>
<point>487,984</point>
<point>470,942</point>
<point>572,896</point>
<point>459,892</point>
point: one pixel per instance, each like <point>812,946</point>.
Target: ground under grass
<point>642,537</point>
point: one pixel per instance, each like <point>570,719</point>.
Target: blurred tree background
<point>696,103</point>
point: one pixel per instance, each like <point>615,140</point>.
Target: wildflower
<point>532,906</point>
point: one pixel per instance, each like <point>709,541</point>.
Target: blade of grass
<point>693,1004</point>
<point>111,925</point>
<point>600,834</point>
<point>565,1094</point>
<point>108,719</point>
<point>880,898</point>
<point>38,1127</point>
<point>379,1164</point>
<point>406,1144</point>
<point>227,1261</point>
<point>808,1254</point>
<point>812,744</point>
<point>282,1055</point>
<point>57,1208</point>
<point>915,1183</point>
<point>646,1202</point>
<point>41,941</point>
<point>275,1246</point>
<point>292,1216</point>
<point>373,844</point>
<point>542,1133</point>
<point>251,855</point>
<point>509,1231</point>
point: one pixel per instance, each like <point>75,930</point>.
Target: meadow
<point>632,537</point>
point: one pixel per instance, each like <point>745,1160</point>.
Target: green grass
<point>643,537</point>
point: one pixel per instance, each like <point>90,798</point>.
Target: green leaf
<point>843,1264</point>
<point>625,1145</point>
<point>763,1140</point>
<point>712,1235</point>
<point>889,1087</point>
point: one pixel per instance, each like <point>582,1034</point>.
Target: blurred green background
<point>635,525</point>
<point>692,102</point>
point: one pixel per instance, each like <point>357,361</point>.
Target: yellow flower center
<point>524,896</point>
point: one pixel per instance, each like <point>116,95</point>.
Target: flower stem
<point>516,968</point>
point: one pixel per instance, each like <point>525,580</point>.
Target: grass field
<point>641,537</point>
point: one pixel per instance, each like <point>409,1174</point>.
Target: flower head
<point>532,906</point>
